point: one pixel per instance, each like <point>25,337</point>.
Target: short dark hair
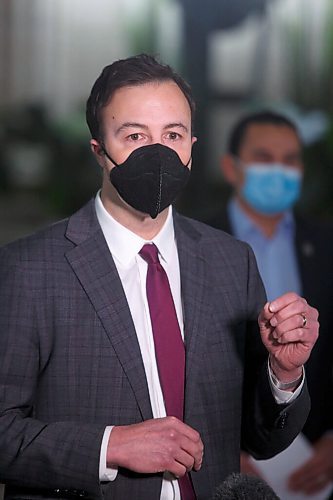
<point>135,70</point>
<point>265,117</point>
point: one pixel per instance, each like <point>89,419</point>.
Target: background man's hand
<point>247,466</point>
<point>317,472</point>
<point>157,445</point>
<point>289,329</point>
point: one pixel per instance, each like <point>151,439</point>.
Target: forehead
<point>150,101</point>
<point>269,136</point>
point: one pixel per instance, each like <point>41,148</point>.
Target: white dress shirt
<point>124,246</point>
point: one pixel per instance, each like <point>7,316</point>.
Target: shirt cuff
<point>106,473</point>
<point>283,397</point>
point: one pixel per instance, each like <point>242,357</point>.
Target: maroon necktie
<point>169,345</point>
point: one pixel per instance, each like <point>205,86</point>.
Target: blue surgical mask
<point>271,188</point>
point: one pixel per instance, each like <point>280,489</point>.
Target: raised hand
<point>289,329</point>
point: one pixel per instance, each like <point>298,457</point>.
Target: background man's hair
<point>265,117</point>
<point>238,486</point>
<point>133,71</point>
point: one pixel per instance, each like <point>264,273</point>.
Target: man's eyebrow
<point>261,150</point>
<point>137,125</point>
<point>176,125</point>
<point>127,125</point>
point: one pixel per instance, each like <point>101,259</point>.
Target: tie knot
<point>149,253</point>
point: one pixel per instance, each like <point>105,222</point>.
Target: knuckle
<point>173,420</point>
<point>171,451</point>
<point>197,437</point>
<point>293,297</point>
<point>190,464</point>
<point>172,434</point>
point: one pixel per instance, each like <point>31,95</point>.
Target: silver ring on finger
<point>305,321</point>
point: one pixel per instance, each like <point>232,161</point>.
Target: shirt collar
<point>124,245</point>
<point>243,226</point>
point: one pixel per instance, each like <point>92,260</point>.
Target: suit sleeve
<point>35,453</point>
<point>267,427</point>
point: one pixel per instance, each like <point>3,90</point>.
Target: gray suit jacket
<point>70,362</point>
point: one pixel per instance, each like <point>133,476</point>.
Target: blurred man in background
<point>264,166</point>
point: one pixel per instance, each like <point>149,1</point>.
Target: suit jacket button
<point>282,420</point>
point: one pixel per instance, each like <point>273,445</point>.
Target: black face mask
<point>150,179</point>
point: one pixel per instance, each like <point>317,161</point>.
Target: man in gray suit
<point>82,410</point>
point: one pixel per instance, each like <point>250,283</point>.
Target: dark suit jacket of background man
<point>70,362</point>
<point>314,250</point>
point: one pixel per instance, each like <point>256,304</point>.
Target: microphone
<point>238,486</point>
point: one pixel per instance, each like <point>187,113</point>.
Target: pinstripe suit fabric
<point>70,362</point>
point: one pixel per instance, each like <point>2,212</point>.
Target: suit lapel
<point>197,308</point>
<point>94,267</point>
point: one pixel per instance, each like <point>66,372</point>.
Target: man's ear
<point>229,169</point>
<point>98,152</point>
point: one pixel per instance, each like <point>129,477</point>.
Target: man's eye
<point>173,136</point>
<point>134,137</point>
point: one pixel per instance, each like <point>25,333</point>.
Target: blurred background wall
<point>238,55</point>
